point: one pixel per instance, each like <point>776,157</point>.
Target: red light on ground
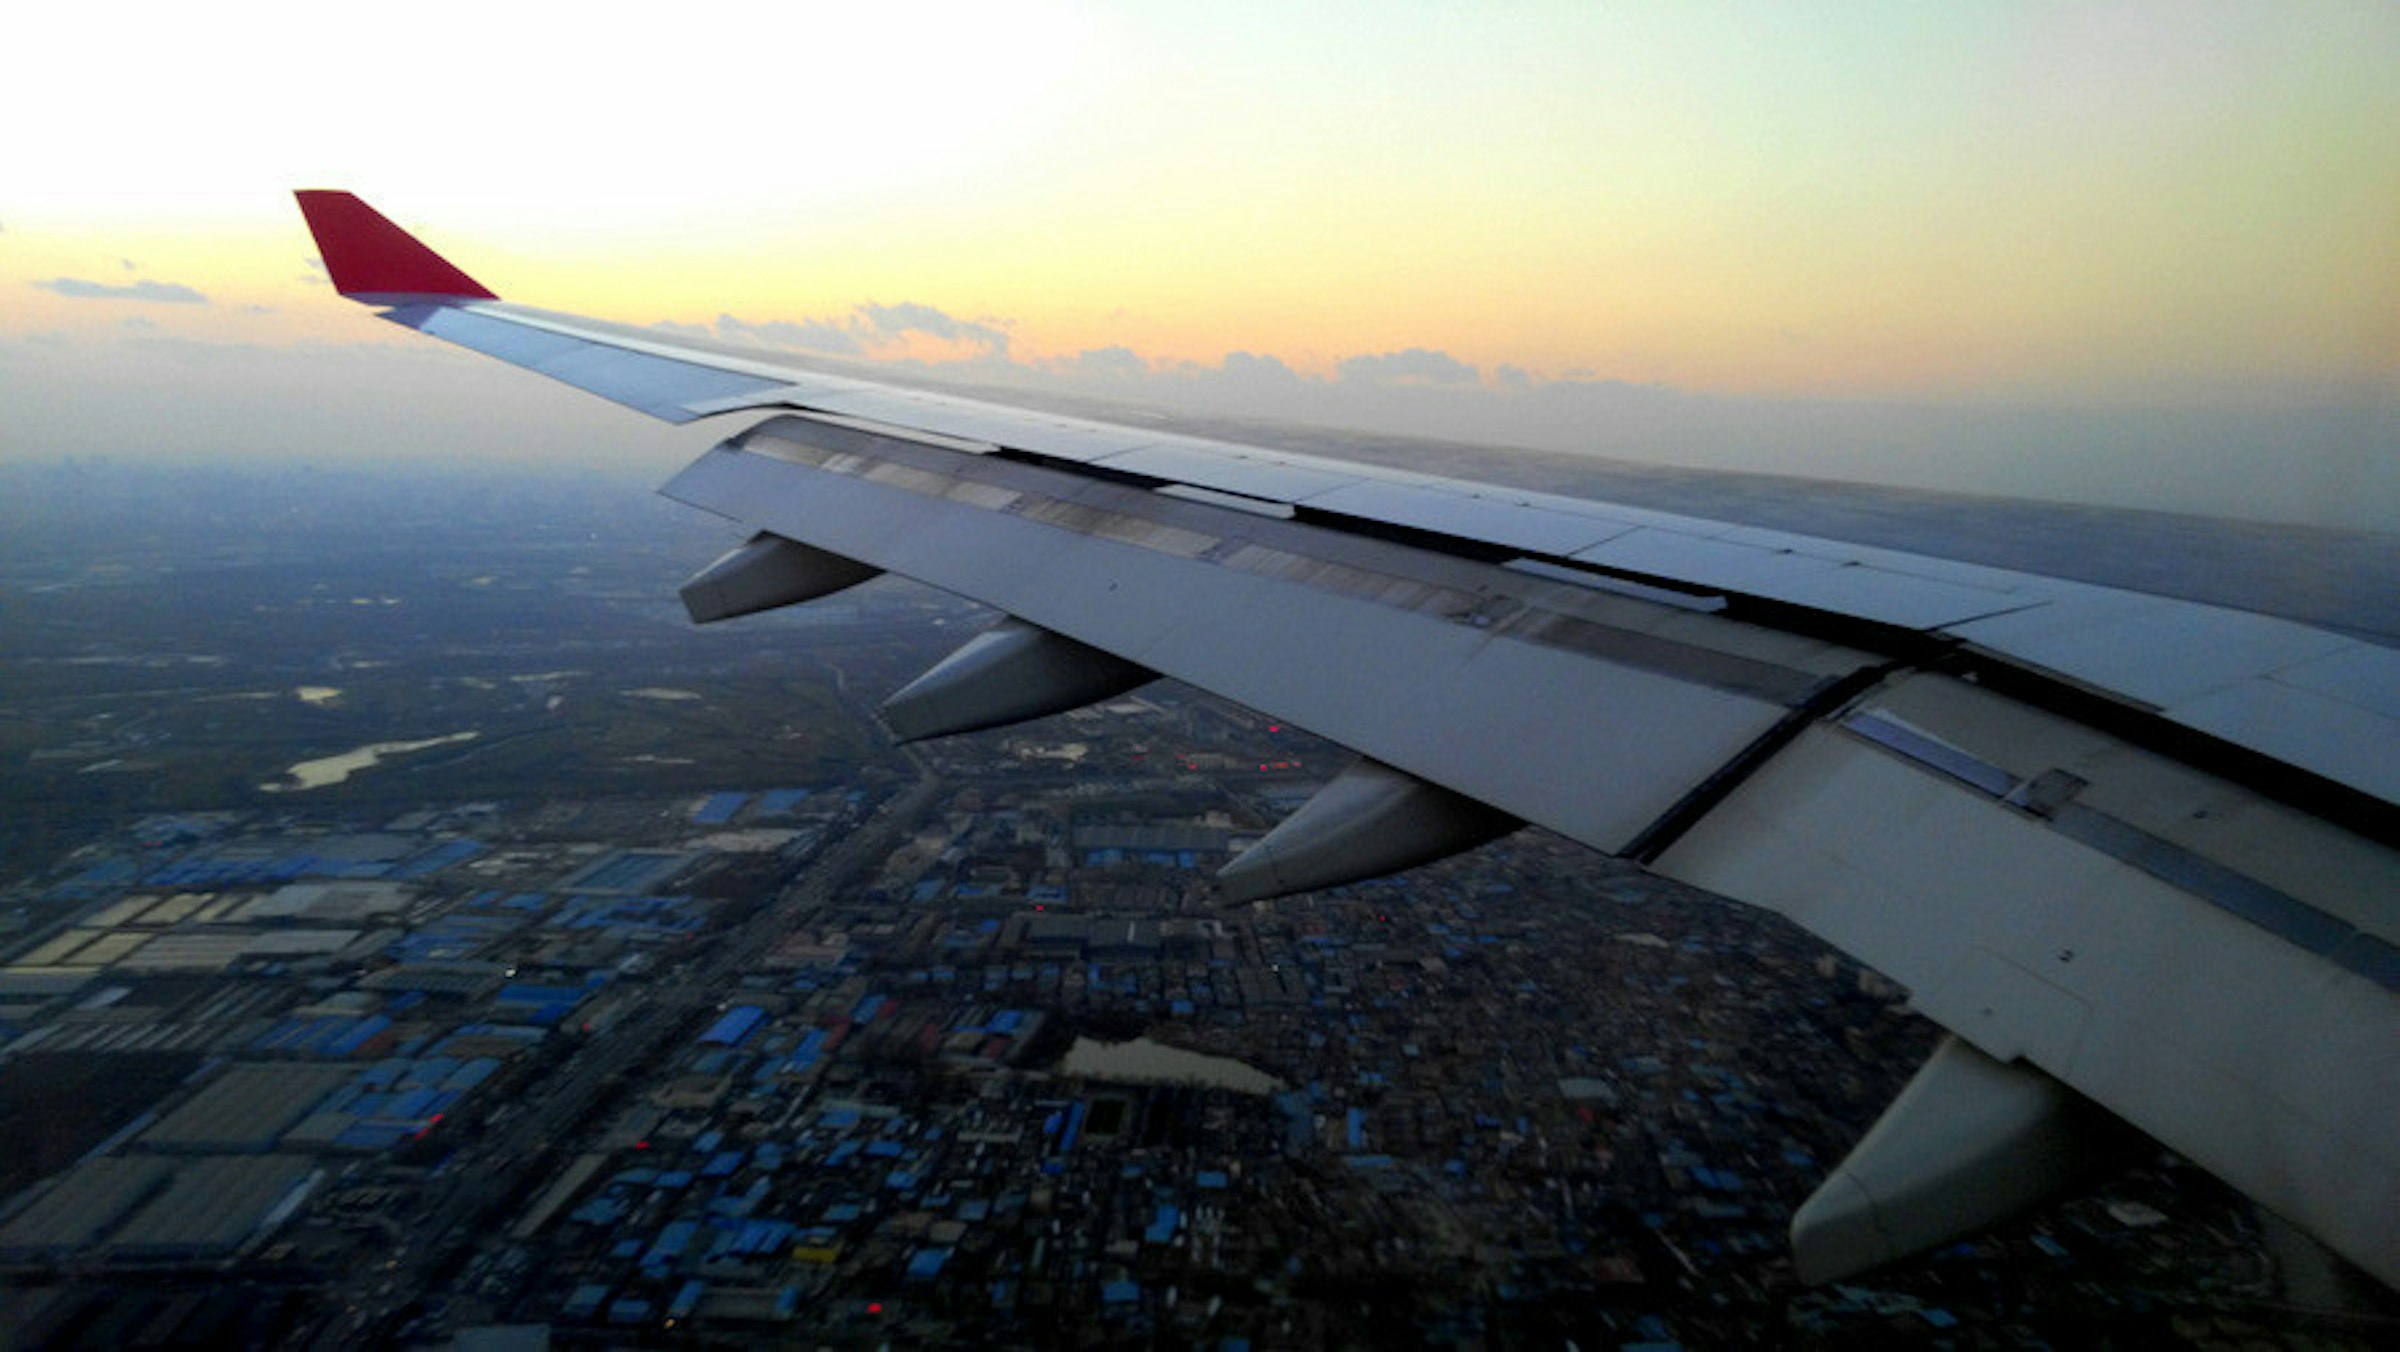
<point>1274,727</point>
<point>1040,907</point>
<point>875,1307</point>
<point>641,1145</point>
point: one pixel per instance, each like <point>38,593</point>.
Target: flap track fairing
<point>766,573</point>
<point>1970,1142</point>
<point>1370,821</point>
<point>1007,674</point>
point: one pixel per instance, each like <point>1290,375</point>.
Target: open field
<point>180,642</point>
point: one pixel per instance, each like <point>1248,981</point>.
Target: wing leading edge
<point>2158,876</point>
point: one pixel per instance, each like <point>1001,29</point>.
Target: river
<point>316,774</point>
<point>1142,1061</point>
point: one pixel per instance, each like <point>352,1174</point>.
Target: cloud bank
<point>2329,463</point>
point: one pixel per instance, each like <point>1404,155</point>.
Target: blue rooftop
<point>776,802</point>
<point>1163,1225</point>
<point>719,808</point>
<point>738,1023</point>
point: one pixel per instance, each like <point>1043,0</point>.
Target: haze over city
<point>2135,254</point>
<point>1909,856</point>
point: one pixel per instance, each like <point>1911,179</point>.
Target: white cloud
<point>75,288</point>
<point>1105,363</point>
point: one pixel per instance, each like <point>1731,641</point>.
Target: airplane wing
<point>2130,851</point>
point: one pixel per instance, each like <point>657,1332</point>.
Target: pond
<point>1142,1061</point>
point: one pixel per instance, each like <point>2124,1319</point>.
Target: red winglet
<point>369,256</point>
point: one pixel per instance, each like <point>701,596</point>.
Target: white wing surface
<point>2130,851</point>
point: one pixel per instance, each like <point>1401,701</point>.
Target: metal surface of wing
<point>2145,847</point>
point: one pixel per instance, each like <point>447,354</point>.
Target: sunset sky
<point>2141,252</point>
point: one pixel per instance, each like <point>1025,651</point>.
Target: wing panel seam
<point>853,452</point>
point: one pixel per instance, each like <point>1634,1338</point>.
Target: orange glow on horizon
<point>2185,207</point>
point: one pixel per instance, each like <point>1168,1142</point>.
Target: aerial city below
<point>541,962</point>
